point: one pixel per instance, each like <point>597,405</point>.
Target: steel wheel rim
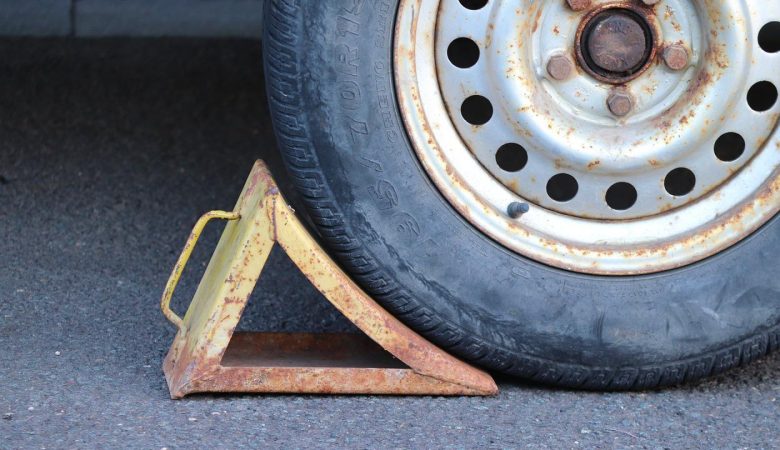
<point>588,234</point>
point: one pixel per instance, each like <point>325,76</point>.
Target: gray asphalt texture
<point>109,151</point>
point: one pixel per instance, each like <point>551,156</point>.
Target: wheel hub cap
<point>615,44</point>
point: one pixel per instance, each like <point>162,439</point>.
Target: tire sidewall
<point>408,247</point>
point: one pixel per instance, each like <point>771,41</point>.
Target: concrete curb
<point>128,18</point>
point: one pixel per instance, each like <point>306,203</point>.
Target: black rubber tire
<point>330,84</point>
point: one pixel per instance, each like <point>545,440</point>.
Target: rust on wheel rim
<point>617,177</point>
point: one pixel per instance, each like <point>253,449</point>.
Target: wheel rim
<point>670,156</point>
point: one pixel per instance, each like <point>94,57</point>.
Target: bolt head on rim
<point>560,67</point>
<point>578,5</point>
<point>676,57</point>
<point>620,103</point>
<point>631,155</point>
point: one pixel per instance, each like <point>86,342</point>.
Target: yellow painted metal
<point>207,357</point>
<point>170,287</point>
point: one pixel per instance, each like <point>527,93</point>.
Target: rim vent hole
<point>512,157</point>
<point>769,37</point>
<point>762,96</point>
<point>621,196</point>
<point>463,53</point>
<point>730,147</point>
<point>562,187</point>
<point>680,182</point>
<point>473,4</point>
<point>477,110</point>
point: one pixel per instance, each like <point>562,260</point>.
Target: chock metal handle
<point>173,280</point>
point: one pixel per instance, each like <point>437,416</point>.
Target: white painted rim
<point>567,236</point>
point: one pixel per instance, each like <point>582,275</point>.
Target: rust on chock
<point>207,356</point>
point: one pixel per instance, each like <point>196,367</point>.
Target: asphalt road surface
<point>109,151</point>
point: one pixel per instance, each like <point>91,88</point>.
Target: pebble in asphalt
<point>109,150</point>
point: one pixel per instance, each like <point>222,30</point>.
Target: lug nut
<point>517,209</point>
<point>578,5</point>
<point>620,103</point>
<point>560,67</point>
<point>675,57</point>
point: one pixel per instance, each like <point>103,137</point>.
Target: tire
<point>330,86</point>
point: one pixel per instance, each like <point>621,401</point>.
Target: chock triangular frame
<point>207,356</point>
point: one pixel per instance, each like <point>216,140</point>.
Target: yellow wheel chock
<point>208,356</point>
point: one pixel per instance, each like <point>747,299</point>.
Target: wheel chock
<point>208,356</point>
